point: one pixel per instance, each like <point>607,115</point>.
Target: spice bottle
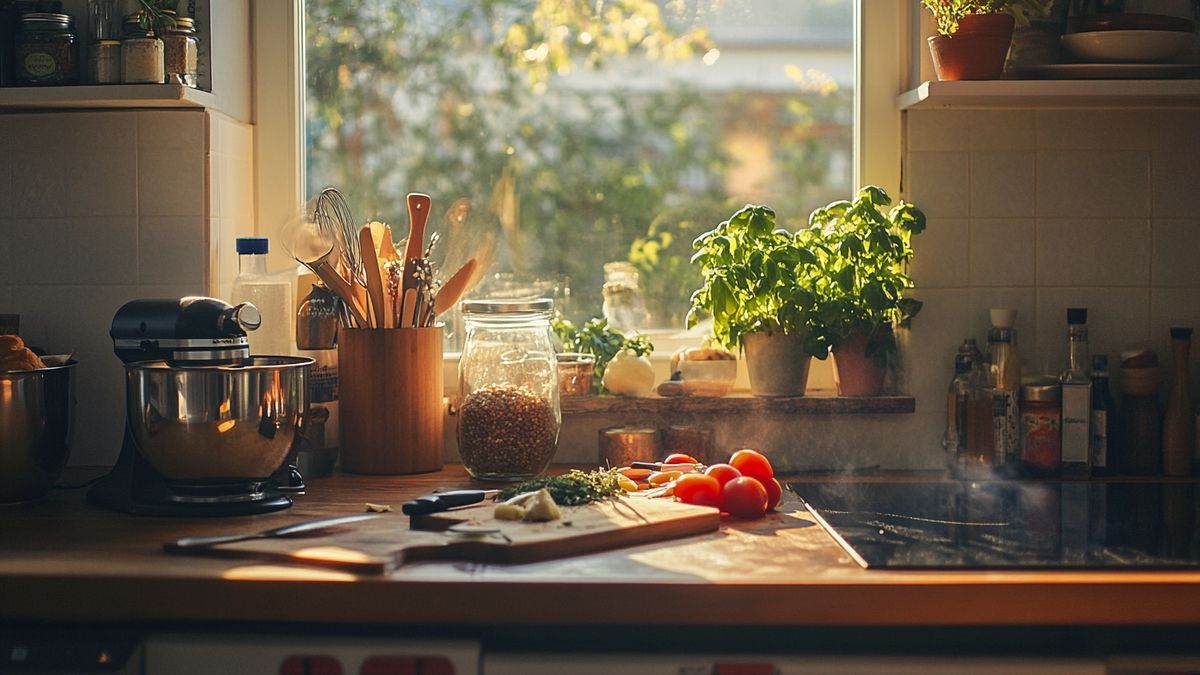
<point>1140,420</point>
<point>1076,398</point>
<point>45,50</point>
<point>1178,430</point>
<point>1041,417</point>
<point>1104,419</point>
<point>180,47</point>
<point>955,439</point>
<point>1006,385</point>
<point>509,417</point>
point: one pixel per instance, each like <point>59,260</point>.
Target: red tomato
<point>723,473</point>
<point>744,498</point>
<point>752,463</point>
<point>774,493</point>
<point>680,458</point>
<point>697,488</point>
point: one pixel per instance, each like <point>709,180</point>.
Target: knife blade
<point>286,530</point>
<point>444,501</point>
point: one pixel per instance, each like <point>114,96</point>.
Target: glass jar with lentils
<point>508,415</point>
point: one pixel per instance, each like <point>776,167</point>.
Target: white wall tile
<point>1002,252</point>
<point>1175,257</point>
<point>74,251</point>
<point>940,259</point>
<point>937,182</point>
<point>237,189</point>
<point>1175,171</point>
<point>172,251</point>
<point>62,318</point>
<point>1117,317</point>
<point>6,299</point>
<point>1002,130</point>
<point>944,321</point>
<point>937,129</point>
<point>1093,129</point>
<point>183,130</point>
<point>8,159</point>
<point>1002,184</point>
<point>40,132</point>
<point>1093,252</point>
<point>1092,183</point>
<point>59,181</point>
<point>171,182</point>
<point>6,262</point>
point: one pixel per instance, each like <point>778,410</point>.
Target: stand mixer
<point>210,430</point>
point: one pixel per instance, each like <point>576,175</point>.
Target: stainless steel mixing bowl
<point>37,412</point>
<point>214,425</point>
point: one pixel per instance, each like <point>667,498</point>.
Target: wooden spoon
<point>453,289</point>
<point>374,276</point>
<point>418,214</point>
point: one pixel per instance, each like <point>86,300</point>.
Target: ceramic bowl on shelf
<point>1126,46</point>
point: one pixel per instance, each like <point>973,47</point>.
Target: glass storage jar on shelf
<point>45,50</point>
<point>509,415</point>
<point>180,49</point>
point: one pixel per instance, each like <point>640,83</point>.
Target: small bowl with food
<point>704,371</point>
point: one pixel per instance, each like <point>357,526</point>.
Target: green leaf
<point>845,278</point>
<point>875,195</point>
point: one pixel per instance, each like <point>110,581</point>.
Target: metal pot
<point>37,412</point>
<point>211,425</point>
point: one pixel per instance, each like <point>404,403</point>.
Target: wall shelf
<point>1179,93</point>
<point>92,97</point>
<point>816,403</point>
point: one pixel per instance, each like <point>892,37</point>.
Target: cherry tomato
<point>744,498</point>
<point>696,488</point>
<point>723,473</point>
<point>774,493</point>
<point>680,458</point>
<point>752,463</point>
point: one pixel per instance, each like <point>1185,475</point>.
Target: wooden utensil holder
<point>391,400</point>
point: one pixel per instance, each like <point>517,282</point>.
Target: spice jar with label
<point>141,54</point>
<point>509,415</point>
<point>1041,428</point>
<point>180,47</point>
<point>45,50</point>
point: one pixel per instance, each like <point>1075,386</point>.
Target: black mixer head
<point>185,331</point>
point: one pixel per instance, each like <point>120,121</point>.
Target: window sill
<point>818,402</point>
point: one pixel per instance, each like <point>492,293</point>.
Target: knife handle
<point>442,501</point>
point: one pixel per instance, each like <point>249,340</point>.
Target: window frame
<point>883,57</point>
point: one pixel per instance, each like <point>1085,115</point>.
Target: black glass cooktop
<point>994,525</point>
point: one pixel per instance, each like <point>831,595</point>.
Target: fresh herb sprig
<point>600,340</point>
<point>573,488</point>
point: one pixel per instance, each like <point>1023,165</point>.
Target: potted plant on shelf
<point>860,276</point>
<point>974,35</point>
<point>756,289</point>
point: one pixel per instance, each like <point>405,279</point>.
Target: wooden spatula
<point>370,261</point>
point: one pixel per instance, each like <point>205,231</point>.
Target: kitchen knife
<point>444,501</point>
<point>286,530</point>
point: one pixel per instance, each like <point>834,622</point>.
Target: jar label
<point>40,64</point>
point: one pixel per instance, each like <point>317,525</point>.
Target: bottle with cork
<point>1140,419</point>
<point>1178,438</point>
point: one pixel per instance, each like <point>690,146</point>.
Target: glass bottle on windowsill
<point>1076,398</point>
<point>1104,420</point>
<point>1006,386</point>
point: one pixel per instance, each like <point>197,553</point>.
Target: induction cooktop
<point>1011,524</point>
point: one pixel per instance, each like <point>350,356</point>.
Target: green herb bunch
<point>948,13</point>
<point>572,488</point>
<point>755,279</point>
<point>157,15</point>
<point>598,339</point>
<point>859,269</point>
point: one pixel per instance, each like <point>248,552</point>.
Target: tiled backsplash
<point>98,208</point>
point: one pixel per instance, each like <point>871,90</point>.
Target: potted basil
<point>860,275</point>
<point>974,35</point>
<point>756,289</point>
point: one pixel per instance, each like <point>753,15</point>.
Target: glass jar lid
<point>47,21</point>
<point>183,25</point>
<point>527,306</point>
<point>1045,392</point>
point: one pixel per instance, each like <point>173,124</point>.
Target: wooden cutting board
<point>383,544</point>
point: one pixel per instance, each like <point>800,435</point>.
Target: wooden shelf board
<point>97,96</point>
<point>816,403</point>
<point>1178,93</point>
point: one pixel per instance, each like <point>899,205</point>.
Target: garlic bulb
<point>629,375</point>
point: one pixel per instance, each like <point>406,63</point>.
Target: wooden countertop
<point>63,560</point>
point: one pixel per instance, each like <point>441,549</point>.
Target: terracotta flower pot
<point>855,373</point>
<point>776,363</point>
<point>976,51</point>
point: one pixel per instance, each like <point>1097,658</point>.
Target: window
<point>568,140</point>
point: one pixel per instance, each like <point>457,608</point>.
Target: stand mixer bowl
<point>37,411</point>
<point>202,426</point>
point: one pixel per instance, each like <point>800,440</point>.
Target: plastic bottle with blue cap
<point>271,293</point>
